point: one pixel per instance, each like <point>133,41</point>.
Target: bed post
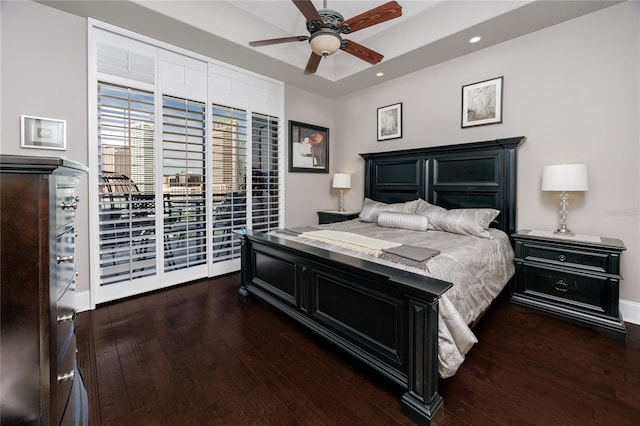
<point>422,401</point>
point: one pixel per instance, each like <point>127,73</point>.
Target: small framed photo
<point>308,148</point>
<point>482,103</point>
<point>390,122</point>
<point>43,133</point>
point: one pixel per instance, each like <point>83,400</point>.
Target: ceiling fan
<point>325,27</point>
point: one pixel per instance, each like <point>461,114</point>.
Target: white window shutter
<point>183,76</point>
<point>123,58</point>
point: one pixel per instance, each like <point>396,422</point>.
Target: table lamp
<point>564,178</point>
<point>341,181</point>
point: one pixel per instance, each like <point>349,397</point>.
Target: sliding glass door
<point>185,153</point>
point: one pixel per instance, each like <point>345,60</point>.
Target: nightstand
<point>332,216</point>
<point>575,278</point>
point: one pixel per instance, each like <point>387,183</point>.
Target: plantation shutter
<point>126,184</point>
<point>265,176</point>
<point>229,186</point>
<point>183,152</point>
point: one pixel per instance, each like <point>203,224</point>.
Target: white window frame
<point>261,95</point>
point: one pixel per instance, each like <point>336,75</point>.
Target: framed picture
<point>482,103</point>
<point>390,122</point>
<point>43,133</point>
<point>308,148</point>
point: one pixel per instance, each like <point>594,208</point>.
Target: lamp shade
<point>325,43</point>
<point>342,180</point>
<point>565,177</point>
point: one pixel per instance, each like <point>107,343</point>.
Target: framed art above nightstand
<point>332,216</point>
<point>575,278</point>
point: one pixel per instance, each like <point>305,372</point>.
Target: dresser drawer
<point>569,257</point>
<point>63,315</point>
<point>66,204</point>
<point>65,376</point>
<point>76,412</point>
<point>589,293</point>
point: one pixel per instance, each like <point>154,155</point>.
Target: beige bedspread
<point>479,268</point>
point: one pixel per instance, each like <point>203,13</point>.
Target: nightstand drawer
<point>336,216</point>
<point>577,291</point>
<point>580,259</point>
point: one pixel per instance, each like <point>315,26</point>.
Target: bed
<point>395,328</point>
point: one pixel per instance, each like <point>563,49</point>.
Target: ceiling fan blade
<point>374,16</point>
<point>308,10</point>
<point>362,52</point>
<point>312,64</point>
<point>258,43</point>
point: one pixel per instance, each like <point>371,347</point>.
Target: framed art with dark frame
<point>482,103</point>
<point>390,122</point>
<point>43,133</point>
<point>308,148</point>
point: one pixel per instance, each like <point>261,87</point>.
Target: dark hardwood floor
<point>195,355</point>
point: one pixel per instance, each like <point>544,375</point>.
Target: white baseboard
<point>630,311</point>
<point>83,301</point>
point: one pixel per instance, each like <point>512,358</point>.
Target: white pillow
<point>429,210</point>
<point>371,209</point>
<point>410,221</point>
<point>473,222</point>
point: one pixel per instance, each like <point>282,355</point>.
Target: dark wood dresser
<point>577,279</point>
<point>40,380</point>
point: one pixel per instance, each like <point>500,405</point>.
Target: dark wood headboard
<point>469,175</point>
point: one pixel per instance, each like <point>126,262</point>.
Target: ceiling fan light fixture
<point>325,42</point>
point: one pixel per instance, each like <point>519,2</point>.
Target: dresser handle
<point>69,206</point>
<point>68,376</point>
<point>562,286</point>
<point>65,318</point>
<point>68,259</point>
<point>562,258</point>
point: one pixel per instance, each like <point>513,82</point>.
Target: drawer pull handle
<point>562,258</point>
<point>562,286</point>
<point>69,206</point>
<point>65,318</point>
<point>65,377</point>
<point>68,259</point>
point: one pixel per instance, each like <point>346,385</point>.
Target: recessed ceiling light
<point>475,39</point>
<point>379,74</point>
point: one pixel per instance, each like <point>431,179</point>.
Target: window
<point>188,151</point>
<point>184,197</point>
<point>265,188</point>
<point>229,185</point>
<point>126,196</point>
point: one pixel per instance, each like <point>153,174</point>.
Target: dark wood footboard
<point>385,317</point>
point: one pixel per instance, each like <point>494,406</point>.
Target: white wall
<point>571,89</point>
<point>44,73</point>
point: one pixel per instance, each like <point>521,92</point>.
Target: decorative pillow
<point>371,209</point>
<point>473,222</point>
<point>429,210</point>
<point>410,221</point>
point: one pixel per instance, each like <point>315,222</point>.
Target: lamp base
<point>341,202</point>
<point>564,231</point>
